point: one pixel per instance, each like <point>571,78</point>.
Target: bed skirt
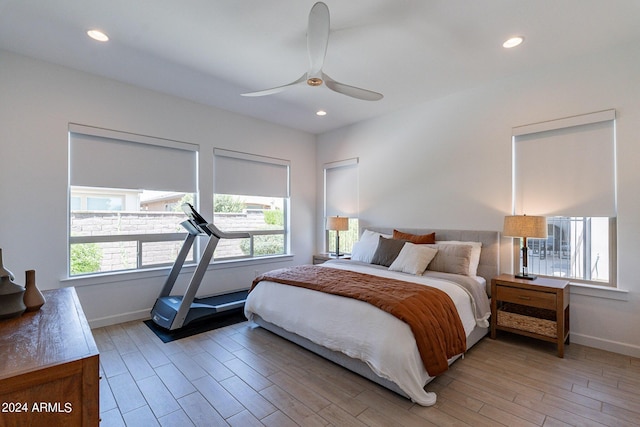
<point>355,365</point>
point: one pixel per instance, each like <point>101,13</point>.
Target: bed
<point>369,340</point>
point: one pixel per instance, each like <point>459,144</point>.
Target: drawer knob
<point>524,297</point>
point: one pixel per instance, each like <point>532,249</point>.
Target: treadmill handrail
<point>227,235</point>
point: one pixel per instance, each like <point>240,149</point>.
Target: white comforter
<point>356,328</point>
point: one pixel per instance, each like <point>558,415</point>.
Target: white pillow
<point>413,259</point>
<point>364,249</point>
<point>476,248</point>
<point>360,252</point>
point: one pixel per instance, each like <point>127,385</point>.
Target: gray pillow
<point>451,258</point>
<point>387,251</point>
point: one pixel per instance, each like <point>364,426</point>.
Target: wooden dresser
<point>49,374</point>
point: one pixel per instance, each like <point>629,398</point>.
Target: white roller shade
<point>105,158</point>
<point>566,167</point>
<point>341,188</point>
<point>250,175</point>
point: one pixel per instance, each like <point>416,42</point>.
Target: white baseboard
<point>120,318</point>
<point>602,344</point>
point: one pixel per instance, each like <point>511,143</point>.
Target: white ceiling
<point>211,51</point>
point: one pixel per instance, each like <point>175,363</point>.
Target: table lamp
<point>524,226</point>
<point>337,224</point>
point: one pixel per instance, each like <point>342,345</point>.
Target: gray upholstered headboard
<point>489,265</point>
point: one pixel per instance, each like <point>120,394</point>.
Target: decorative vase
<point>4,271</point>
<point>33,298</point>
<point>11,298</point>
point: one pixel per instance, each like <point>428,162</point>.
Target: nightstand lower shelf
<point>536,321</point>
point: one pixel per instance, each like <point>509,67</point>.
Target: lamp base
<point>526,276</point>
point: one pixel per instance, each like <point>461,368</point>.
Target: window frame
<point>262,164</point>
<point>349,237</point>
<point>612,256</point>
<point>256,233</point>
<point>598,208</point>
<point>82,131</point>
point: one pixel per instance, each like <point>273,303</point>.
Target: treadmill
<point>175,311</point>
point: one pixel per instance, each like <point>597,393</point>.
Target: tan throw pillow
<point>476,248</point>
<point>413,259</point>
<point>418,239</point>
<point>451,259</point>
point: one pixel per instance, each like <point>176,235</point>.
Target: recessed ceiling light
<point>321,113</point>
<point>98,35</point>
<point>513,42</point>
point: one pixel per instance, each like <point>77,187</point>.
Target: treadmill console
<point>195,218</point>
<point>193,214</point>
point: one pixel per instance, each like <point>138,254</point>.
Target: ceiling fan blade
<point>317,37</point>
<point>317,42</point>
<point>352,91</point>
<point>276,89</point>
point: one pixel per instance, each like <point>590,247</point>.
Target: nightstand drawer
<point>527,297</point>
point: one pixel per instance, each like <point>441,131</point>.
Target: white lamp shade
<point>533,227</point>
<point>337,223</point>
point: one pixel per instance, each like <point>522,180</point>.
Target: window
<point>125,193</point>
<point>341,199</point>
<point>565,170</point>
<point>576,248</point>
<point>251,194</point>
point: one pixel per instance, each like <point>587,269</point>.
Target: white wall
<point>37,102</point>
<point>447,164</point>
<point>444,164</point>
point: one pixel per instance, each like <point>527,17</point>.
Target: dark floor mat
<point>215,322</point>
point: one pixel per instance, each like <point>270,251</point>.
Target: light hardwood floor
<point>242,375</point>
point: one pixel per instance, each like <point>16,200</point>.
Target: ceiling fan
<point>317,40</point>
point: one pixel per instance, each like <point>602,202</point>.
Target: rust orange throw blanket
<point>429,312</point>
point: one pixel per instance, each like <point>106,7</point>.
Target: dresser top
<point>55,334</point>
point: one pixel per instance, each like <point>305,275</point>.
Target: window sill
<point>234,263</point>
<point>599,291</point>
<point>125,276</point>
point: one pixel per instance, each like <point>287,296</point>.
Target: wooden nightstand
<point>535,308</point>
<point>321,258</point>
